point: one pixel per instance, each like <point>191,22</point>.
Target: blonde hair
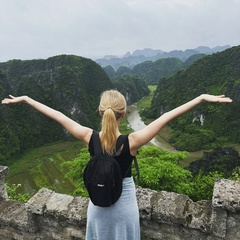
<point>112,106</point>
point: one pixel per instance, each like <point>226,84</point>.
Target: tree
<point>76,169</point>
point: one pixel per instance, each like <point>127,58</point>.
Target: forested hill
<point>215,74</point>
<point>153,71</point>
<point>68,83</point>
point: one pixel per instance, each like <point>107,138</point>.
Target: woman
<point>121,220</point>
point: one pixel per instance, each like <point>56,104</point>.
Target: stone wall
<point>3,174</point>
<point>164,215</point>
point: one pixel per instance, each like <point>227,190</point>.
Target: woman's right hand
<point>13,100</point>
<point>215,98</point>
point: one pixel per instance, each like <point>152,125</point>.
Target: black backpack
<point>102,175</point>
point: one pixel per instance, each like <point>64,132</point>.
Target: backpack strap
<point>97,148</point>
<point>120,141</point>
<point>137,170</point>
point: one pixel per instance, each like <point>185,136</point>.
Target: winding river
<point>136,123</point>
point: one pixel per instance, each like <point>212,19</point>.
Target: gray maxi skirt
<point>117,222</point>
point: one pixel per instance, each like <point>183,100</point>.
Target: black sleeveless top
<point>124,159</point>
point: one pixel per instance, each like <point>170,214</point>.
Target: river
<point>135,122</point>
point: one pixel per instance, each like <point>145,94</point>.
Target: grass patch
<point>124,128</point>
<point>41,167</point>
<point>146,101</point>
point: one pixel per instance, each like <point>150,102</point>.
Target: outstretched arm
<point>74,128</point>
<point>141,137</point>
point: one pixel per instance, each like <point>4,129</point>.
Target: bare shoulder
<point>82,133</point>
<point>85,135</point>
<point>132,144</point>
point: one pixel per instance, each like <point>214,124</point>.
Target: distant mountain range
<point>147,54</point>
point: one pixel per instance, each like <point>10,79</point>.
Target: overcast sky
<point>33,29</point>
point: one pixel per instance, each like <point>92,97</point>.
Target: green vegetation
<point>41,167</point>
<point>133,87</point>
<point>67,83</point>
<point>160,170</point>
<point>146,101</point>
<point>144,106</point>
<point>208,125</point>
<point>14,195</point>
<point>163,170</point>
<point>154,70</point>
<point>73,85</point>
